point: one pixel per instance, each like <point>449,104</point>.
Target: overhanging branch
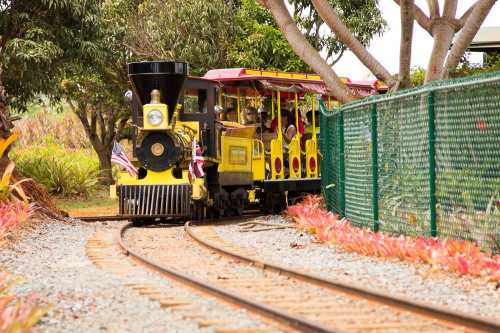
<point>343,34</point>
<point>422,19</point>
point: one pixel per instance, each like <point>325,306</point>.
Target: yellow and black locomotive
<point>205,146</point>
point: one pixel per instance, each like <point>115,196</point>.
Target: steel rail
<point>292,321</point>
<point>99,218</point>
<point>483,324</point>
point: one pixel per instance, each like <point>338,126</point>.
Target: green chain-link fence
<point>424,161</point>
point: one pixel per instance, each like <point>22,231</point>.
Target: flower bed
<point>460,256</point>
<point>16,314</point>
<point>12,214</point>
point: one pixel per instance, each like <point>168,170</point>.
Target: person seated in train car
<point>265,120</point>
<point>249,116</point>
<point>231,115</point>
<point>284,121</point>
<point>292,121</point>
<point>309,124</point>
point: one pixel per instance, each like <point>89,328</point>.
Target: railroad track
<point>101,218</point>
<point>298,300</point>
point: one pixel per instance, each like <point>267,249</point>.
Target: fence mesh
<point>437,162</point>
<point>357,157</point>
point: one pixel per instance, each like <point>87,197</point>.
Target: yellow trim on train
<point>154,178</point>
<point>288,75</point>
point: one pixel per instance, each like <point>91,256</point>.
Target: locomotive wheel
<point>222,204</point>
<point>275,202</point>
<point>199,211</point>
<point>238,200</point>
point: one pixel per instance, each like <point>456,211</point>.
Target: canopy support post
<point>238,106</point>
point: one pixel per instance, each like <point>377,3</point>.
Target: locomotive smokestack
<point>166,76</point>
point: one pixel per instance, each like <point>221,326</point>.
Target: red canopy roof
<point>288,82</point>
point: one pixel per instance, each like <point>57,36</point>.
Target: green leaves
<point>196,31</point>
<point>61,171</point>
<point>362,17</point>
<point>259,43</point>
<point>37,38</point>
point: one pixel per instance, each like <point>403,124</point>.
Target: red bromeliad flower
<point>460,256</point>
<point>12,214</point>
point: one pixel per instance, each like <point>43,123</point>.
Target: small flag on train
<point>196,164</point>
<point>119,157</point>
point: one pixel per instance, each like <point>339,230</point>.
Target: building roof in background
<point>487,39</point>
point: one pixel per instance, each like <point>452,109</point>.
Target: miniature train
<point>201,152</point>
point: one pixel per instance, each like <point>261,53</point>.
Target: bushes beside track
<point>64,172</point>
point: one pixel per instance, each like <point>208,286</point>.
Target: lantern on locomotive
<point>163,145</point>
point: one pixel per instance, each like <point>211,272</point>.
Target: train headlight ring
<point>155,117</point>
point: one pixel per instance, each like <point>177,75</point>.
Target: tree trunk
<point>443,34</point>
<point>329,15</point>
<point>474,21</point>
<point>105,168</point>
<point>305,51</point>
<point>5,124</point>
<point>407,18</point>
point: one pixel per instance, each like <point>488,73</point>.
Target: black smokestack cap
<point>166,76</point>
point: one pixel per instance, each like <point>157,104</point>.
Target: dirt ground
<point>92,211</point>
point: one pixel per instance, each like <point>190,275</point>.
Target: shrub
<point>62,171</point>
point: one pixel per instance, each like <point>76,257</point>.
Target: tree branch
<point>121,126</point>
<point>339,56</point>
<point>474,21</point>
<point>407,17</point>
<point>450,9</point>
<point>93,125</point>
<point>329,15</point>
<point>305,51</point>
<point>422,19</point>
<point>433,8</point>
<point>461,21</point>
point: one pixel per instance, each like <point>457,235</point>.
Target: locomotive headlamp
<point>155,113</point>
<point>155,117</point>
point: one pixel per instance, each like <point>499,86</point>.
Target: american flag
<point>119,157</point>
<point>196,164</point>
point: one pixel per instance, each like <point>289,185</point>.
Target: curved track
<point>307,302</point>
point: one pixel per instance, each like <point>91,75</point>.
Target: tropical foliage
<point>62,171</point>
<point>37,37</point>
<point>196,31</point>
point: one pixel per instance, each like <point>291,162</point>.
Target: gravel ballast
<point>52,263</point>
<point>299,250</point>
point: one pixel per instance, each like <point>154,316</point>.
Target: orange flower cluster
<point>460,256</point>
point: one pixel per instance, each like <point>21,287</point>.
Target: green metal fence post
<point>374,139</point>
<point>341,181</point>
<point>432,162</point>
